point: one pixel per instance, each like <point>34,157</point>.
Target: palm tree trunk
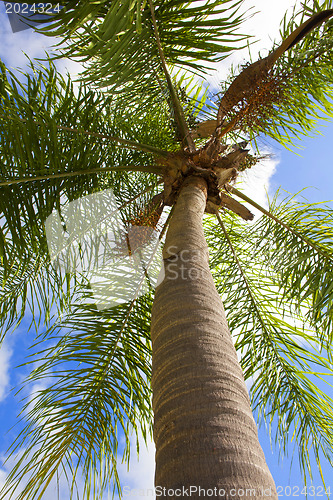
<point>204,431</point>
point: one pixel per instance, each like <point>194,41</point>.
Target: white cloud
<point>72,67</point>
<point>265,25</point>
<point>140,476</point>
<point>255,182</point>
<point>15,47</point>
<point>5,355</point>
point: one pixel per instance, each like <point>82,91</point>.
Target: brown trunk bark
<point>204,431</point>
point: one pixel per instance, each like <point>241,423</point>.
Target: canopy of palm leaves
<point>140,136</point>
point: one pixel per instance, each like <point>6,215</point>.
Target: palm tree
<point>152,140</point>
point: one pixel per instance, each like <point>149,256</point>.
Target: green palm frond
<point>98,359</point>
<point>76,420</point>
<point>301,253</point>
<point>117,41</point>
<point>278,296</point>
<point>61,144</point>
<point>304,271</point>
<point>68,165</point>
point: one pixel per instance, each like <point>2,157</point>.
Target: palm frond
<point>57,166</point>
<point>182,128</point>
<point>304,271</point>
<point>116,39</point>
<point>73,424</point>
<point>62,147</point>
<point>306,75</point>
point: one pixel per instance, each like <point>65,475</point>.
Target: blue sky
<point>311,168</point>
